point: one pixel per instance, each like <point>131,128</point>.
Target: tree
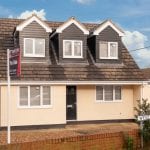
<point>143,108</point>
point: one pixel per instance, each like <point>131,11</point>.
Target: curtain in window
<point>103,49</point>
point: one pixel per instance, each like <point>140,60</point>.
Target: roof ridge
<point>49,21</point>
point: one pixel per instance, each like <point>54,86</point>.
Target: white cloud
<point>135,40</point>
<point>41,13</point>
<point>84,1</point>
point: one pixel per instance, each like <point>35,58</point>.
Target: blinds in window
<point>35,95</point>
<point>23,96</point>
<point>99,92</point>
<point>46,95</point>
<point>28,46</point>
<point>109,93</point>
<point>40,47</point>
<point>68,48</point>
<point>77,48</point>
<point>118,92</point>
<point>113,49</point>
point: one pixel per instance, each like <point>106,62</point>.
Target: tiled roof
<point>146,72</point>
<point>127,71</point>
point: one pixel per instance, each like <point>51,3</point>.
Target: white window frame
<point>41,98</point>
<point>33,54</point>
<point>106,101</point>
<point>109,57</point>
<point>72,49</point>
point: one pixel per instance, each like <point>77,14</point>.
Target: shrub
<point>143,108</point>
<point>128,142</point>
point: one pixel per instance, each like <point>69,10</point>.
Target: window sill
<point>114,101</point>
<point>72,57</point>
<point>34,56</point>
<point>35,107</point>
<point>108,58</point>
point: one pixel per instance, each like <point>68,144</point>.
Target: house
<point>146,72</point>
<point>70,72</point>
<point>146,88</point>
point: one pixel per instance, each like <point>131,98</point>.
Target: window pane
<point>117,92</point>
<point>68,48</point>
<point>35,95</point>
<point>113,50</point>
<point>23,96</point>
<point>77,49</point>
<point>109,93</point>
<point>103,49</point>
<point>28,46</point>
<point>46,95</point>
<point>99,93</point>
<point>40,47</point>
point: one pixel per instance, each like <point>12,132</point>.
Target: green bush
<point>143,108</point>
<point>128,142</point>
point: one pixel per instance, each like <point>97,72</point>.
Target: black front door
<point>71,103</point>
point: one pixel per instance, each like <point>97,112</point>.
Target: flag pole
<point>8,100</point>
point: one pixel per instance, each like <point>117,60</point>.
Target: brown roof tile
<point>127,71</point>
<point>146,72</point>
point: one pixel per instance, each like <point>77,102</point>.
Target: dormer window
<point>34,47</point>
<point>72,49</point>
<point>108,50</point>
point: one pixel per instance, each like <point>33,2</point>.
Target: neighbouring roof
<point>127,71</point>
<point>146,72</point>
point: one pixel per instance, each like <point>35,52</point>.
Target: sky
<point>131,15</point>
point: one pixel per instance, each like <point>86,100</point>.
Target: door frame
<point>76,103</point>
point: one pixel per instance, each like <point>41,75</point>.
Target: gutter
<point>75,83</point>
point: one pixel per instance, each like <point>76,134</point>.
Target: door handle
<point>69,106</point>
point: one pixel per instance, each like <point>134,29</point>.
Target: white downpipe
<point>8,101</point>
<point>142,92</point>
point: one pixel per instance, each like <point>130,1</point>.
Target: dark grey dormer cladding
<point>72,32</point>
<point>34,30</point>
<point>107,35</point>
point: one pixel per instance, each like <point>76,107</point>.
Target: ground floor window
<point>32,96</point>
<point>108,93</point>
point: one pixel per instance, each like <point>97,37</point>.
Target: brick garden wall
<point>107,141</point>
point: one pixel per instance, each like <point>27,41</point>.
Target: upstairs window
<point>72,49</point>
<point>34,47</point>
<point>108,50</point>
<point>108,93</point>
